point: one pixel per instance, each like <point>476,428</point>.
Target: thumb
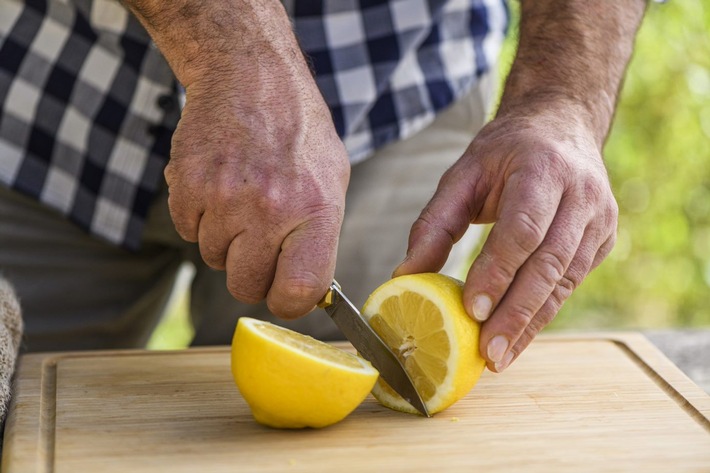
<point>305,267</point>
<point>442,223</point>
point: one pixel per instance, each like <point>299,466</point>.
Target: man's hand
<point>262,191</point>
<point>543,181</point>
<point>257,175</point>
<point>536,170</point>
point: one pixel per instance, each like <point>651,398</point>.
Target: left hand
<point>539,175</point>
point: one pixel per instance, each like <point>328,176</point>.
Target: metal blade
<point>370,346</point>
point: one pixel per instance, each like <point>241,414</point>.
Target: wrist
<point>572,55</point>
<point>551,122</point>
<point>565,108</point>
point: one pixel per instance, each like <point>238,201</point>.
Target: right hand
<point>257,174</point>
<point>257,178</point>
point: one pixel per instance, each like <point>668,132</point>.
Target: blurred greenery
<point>658,157</point>
<point>175,331</point>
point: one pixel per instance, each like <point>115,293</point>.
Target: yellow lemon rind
<point>321,393</point>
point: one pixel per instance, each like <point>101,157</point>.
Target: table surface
<point>580,403</point>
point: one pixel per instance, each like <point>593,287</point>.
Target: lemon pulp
<point>422,319</point>
<point>293,381</point>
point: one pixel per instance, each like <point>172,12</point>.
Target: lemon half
<point>292,380</point>
<point>421,317</point>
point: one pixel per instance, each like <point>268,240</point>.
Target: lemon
<point>421,317</point>
<point>293,381</point>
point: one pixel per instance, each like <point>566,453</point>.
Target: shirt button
<point>167,102</point>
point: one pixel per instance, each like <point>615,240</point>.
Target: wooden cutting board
<point>571,403</point>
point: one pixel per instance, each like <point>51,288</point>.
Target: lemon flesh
<point>293,381</point>
<point>421,317</point>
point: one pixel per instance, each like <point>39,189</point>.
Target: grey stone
<point>688,349</point>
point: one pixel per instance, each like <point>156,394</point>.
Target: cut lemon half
<point>292,380</point>
<point>421,317</point>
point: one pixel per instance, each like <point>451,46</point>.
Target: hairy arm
<point>574,52</point>
<point>201,38</point>
<point>257,174</point>
<point>536,170</point>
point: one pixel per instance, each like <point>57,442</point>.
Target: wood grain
<point>571,403</point>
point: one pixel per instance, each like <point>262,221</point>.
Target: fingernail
<point>482,307</point>
<point>497,348</point>
<point>503,364</point>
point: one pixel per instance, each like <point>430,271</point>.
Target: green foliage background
<point>658,157</point>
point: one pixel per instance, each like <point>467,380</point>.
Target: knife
<point>370,346</point>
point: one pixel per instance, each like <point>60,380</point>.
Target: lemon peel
<point>293,381</point>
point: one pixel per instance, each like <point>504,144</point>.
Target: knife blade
<point>370,346</point>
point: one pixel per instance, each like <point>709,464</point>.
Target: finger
<point>534,282</point>
<point>251,264</point>
<point>577,271</point>
<point>442,222</point>
<point>544,316</point>
<point>528,207</point>
<point>586,259</point>
<point>305,267</point>
<point>215,237</point>
<point>185,206</point>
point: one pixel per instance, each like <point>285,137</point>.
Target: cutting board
<point>570,403</point>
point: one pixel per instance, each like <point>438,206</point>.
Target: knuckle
<point>551,266</point>
<point>593,190</point>
<point>420,226</point>
<point>563,290</point>
<point>324,215</point>
<point>499,271</point>
<point>550,165</point>
<point>612,213</point>
<point>245,294</point>
<point>246,286</point>
<point>608,245</point>
<point>273,201</point>
<point>603,251</point>
<point>429,225</point>
<point>425,222</point>
<point>169,173</point>
<point>597,196</point>
<point>520,316</point>
<point>185,226</point>
<point>223,191</point>
<point>526,232</point>
<point>555,162</point>
<point>502,274</point>
<point>213,256</point>
<point>565,286</point>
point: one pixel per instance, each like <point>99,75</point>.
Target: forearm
<point>230,39</point>
<point>240,58</point>
<point>573,52</point>
<point>10,336</point>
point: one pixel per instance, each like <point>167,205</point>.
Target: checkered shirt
<point>88,104</point>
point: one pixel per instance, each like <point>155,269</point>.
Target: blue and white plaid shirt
<point>88,104</point>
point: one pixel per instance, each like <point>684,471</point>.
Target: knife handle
<point>329,296</point>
